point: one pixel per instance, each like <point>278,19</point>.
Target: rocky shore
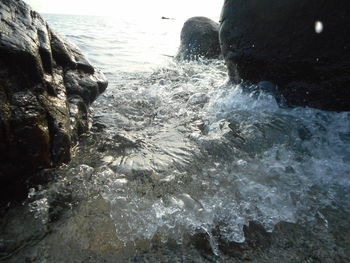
<point>47,85</point>
<point>169,171</point>
<point>46,88</point>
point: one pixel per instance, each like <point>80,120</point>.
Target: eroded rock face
<point>302,46</point>
<point>46,87</point>
<point>199,38</point>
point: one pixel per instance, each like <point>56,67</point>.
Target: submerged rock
<point>302,46</point>
<point>46,87</point>
<point>199,38</point>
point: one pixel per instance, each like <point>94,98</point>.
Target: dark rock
<point>46,88</point>
<point>256,238</point>
<point>199,38</point>
<point>282,41</point>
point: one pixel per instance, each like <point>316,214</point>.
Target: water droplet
<point>318,27</point>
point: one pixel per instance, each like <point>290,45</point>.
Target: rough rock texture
<point>277,41</point>
<point>199,38</point>
<point>46,87</point>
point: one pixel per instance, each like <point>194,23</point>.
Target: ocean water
<point>122,44</point>
<point>181,166</point>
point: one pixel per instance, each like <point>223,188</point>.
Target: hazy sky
<point>171,8</point>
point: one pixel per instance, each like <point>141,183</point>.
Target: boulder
<point>302,46</point>
<point>199,38</point>
<point>46,88</point>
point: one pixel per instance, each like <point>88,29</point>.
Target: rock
<point>302,46</point>
<point>46,88</point>
<point>256,238</point>
<point>199,38</point>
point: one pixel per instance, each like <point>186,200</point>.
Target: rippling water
<point>121,44</point>
<point>181,166</point>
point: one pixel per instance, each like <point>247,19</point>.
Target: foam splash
<point>181,152</point>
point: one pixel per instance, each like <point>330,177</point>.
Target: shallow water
<point>179,162</point>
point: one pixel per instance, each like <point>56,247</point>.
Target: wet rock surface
<point>46,87</point>
<point>302,46</point>
<point>199,38</point>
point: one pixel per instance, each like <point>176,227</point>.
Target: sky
<point>132,8</point>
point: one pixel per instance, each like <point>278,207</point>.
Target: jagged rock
<point>199,38</point>
<point>302,46</point>
<point>46,87</point>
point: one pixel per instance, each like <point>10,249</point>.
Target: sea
<point>181,165</point>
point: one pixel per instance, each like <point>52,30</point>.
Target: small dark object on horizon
<point>167,18</point>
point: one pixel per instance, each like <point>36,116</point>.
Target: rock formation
<point>46,87</point>
<point>302,46</point>
<point>199,38</point>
